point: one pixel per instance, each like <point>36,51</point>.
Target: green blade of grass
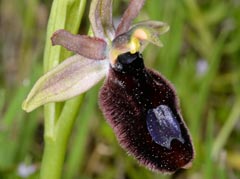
<point>76,156</point>
<point>225,132</point>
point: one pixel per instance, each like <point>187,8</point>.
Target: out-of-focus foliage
<point>201,56</point>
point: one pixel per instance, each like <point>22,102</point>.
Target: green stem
<point>55,147</point>
<point>226,130</point>
<point>75,160</point>
<point>57,129</point>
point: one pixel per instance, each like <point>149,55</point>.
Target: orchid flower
<point>140,104</point>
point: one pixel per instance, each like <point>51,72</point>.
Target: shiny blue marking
<point>163,126</point>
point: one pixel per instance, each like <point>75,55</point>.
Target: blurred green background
<point>201,57</point>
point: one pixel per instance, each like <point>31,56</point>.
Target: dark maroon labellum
<point>142,108</point>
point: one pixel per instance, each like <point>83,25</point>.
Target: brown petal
<point>130,13</point>
<point>89,47</point>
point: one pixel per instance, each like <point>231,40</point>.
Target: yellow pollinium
<point>134,45</point>
<point>130,43</point>
<point>136,39</point>
<point>140,33</point>
<point>137,36</point>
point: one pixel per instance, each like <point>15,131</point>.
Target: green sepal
<point>72,77</point>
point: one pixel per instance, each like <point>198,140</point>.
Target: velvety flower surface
<point>139,103</point>
<point>130,94</point>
